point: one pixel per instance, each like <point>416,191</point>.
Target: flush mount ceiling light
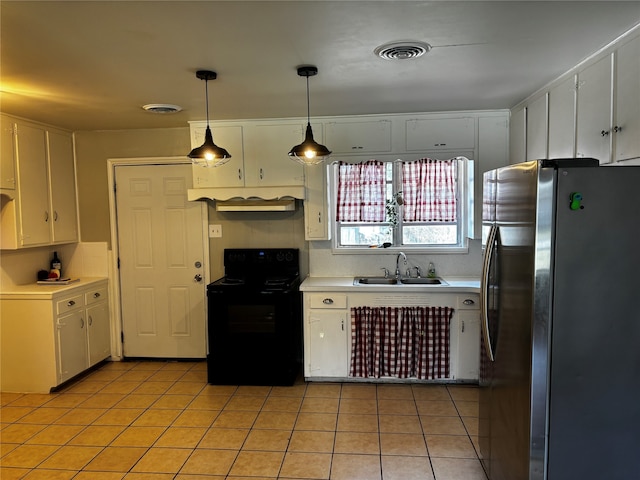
<point>209,154</point>
<point>162,108</point>
<point>402,50</point>
<point>309,152</point>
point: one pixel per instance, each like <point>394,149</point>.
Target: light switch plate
<point>215,231</point>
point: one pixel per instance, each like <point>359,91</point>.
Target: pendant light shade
<point>309,152</point>
<point>208,154</point>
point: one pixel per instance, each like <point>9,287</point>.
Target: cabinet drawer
<point>69,304</point>
<point>328,300</point>
<point>95,295</point>
<point>468,302</point>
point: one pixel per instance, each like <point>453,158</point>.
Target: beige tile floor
<point>161,420</point>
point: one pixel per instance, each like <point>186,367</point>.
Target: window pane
<point>430,234</point>
<point>364,235</point>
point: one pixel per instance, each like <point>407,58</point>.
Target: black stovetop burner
<point>266,268</point>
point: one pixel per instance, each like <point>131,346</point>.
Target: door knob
<point>198,277</point>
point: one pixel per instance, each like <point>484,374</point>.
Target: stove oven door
<point>254,337</point>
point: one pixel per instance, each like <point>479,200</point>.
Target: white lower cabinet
<point>47,340</point>
<point>467,323</point>
<point>326,335</point>
<point>327,330</point>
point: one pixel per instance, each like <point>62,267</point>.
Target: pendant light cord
<point>206,96</point>
<point>308,105</point>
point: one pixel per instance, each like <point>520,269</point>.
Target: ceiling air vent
<point>402,50</point>
<point>161,108</point>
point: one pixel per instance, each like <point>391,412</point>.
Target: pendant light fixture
<point>208,154</point>
<point>309,152</point>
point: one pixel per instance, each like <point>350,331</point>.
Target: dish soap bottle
<point>431,272</point>
<point>56,264</point>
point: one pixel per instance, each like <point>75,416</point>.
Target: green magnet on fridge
<point>575,201</point>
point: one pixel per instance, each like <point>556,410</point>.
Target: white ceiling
<point>91,65</point>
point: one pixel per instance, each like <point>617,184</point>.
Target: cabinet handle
<point>357,148</point>
<point>261,174</point>
<point>468,301</point>
<point>319,217</point>
<point>617,129</point>
<point>96,295</point>
<point>91,322</point>
<point>71,303</point>
<point>239,174</point>
<point>604,133</point>
<point>46,216</point>
<point>439,144</point>
<point>55,216</point>
<point>342,324</point>
<point>82,323</point>
<point>328,301</point>
<point>462,326</point>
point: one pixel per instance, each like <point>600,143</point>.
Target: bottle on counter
<point>56,264</point>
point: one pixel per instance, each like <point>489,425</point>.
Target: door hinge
<point>122,337</point>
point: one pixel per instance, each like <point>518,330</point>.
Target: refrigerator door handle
<point>484,289</point>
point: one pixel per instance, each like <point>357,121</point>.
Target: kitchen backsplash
<point>20,267</point>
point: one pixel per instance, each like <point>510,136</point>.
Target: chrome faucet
<point>404,257</point>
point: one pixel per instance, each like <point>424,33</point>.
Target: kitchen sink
<point>396,281</point>
<point>375,281</point>
<point>423,281</point>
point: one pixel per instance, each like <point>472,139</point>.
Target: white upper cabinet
<point>33,198</point>
<point>7,154</point>
<point>266,159</point>
<point>562,119</point>
<point>357,136</point>
<point>441,133</point>
<point>230,174</point>
<point>43,210</point>
<point>593,137</point>
<point>62,191</point>
<point>593,109</point>
<point>537,128</point>
<point>258,155</point>
<point>627,101</point>
<point>518,136</point>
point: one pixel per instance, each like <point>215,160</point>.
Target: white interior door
<point>160,243</point>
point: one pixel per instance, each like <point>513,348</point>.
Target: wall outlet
<point>215,231</point>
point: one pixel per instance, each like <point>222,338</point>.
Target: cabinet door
<point>518,136</point>
<point>353,137</point>
<point>627,118</point>
<point>98,332</point>
<point>468,344</point>
<point>267,162</point>
<point>593,134</point>
<point>64,220</point>
<point>562,119</point>
<point>230,174</point>
<point>537,121</point>
<point>327,337</point>
<point>33,186</point>
<point>440,133</point>
<point>316,203</point>
<point>71,345</point>
<point>7,154</point>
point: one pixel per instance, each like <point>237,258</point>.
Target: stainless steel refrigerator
<point>560,366</point>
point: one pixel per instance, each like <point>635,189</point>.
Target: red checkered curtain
<point>373,341</point>
<point>431,351</point>
<point>361,192</point>
<point>402,342</point>
<point>429,190</point>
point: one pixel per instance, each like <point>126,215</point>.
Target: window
<point>421,204</point>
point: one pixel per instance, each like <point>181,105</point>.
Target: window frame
<point>465,210</point>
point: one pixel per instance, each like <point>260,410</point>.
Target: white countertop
<point>345,284</point>
<point>35,291</point>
